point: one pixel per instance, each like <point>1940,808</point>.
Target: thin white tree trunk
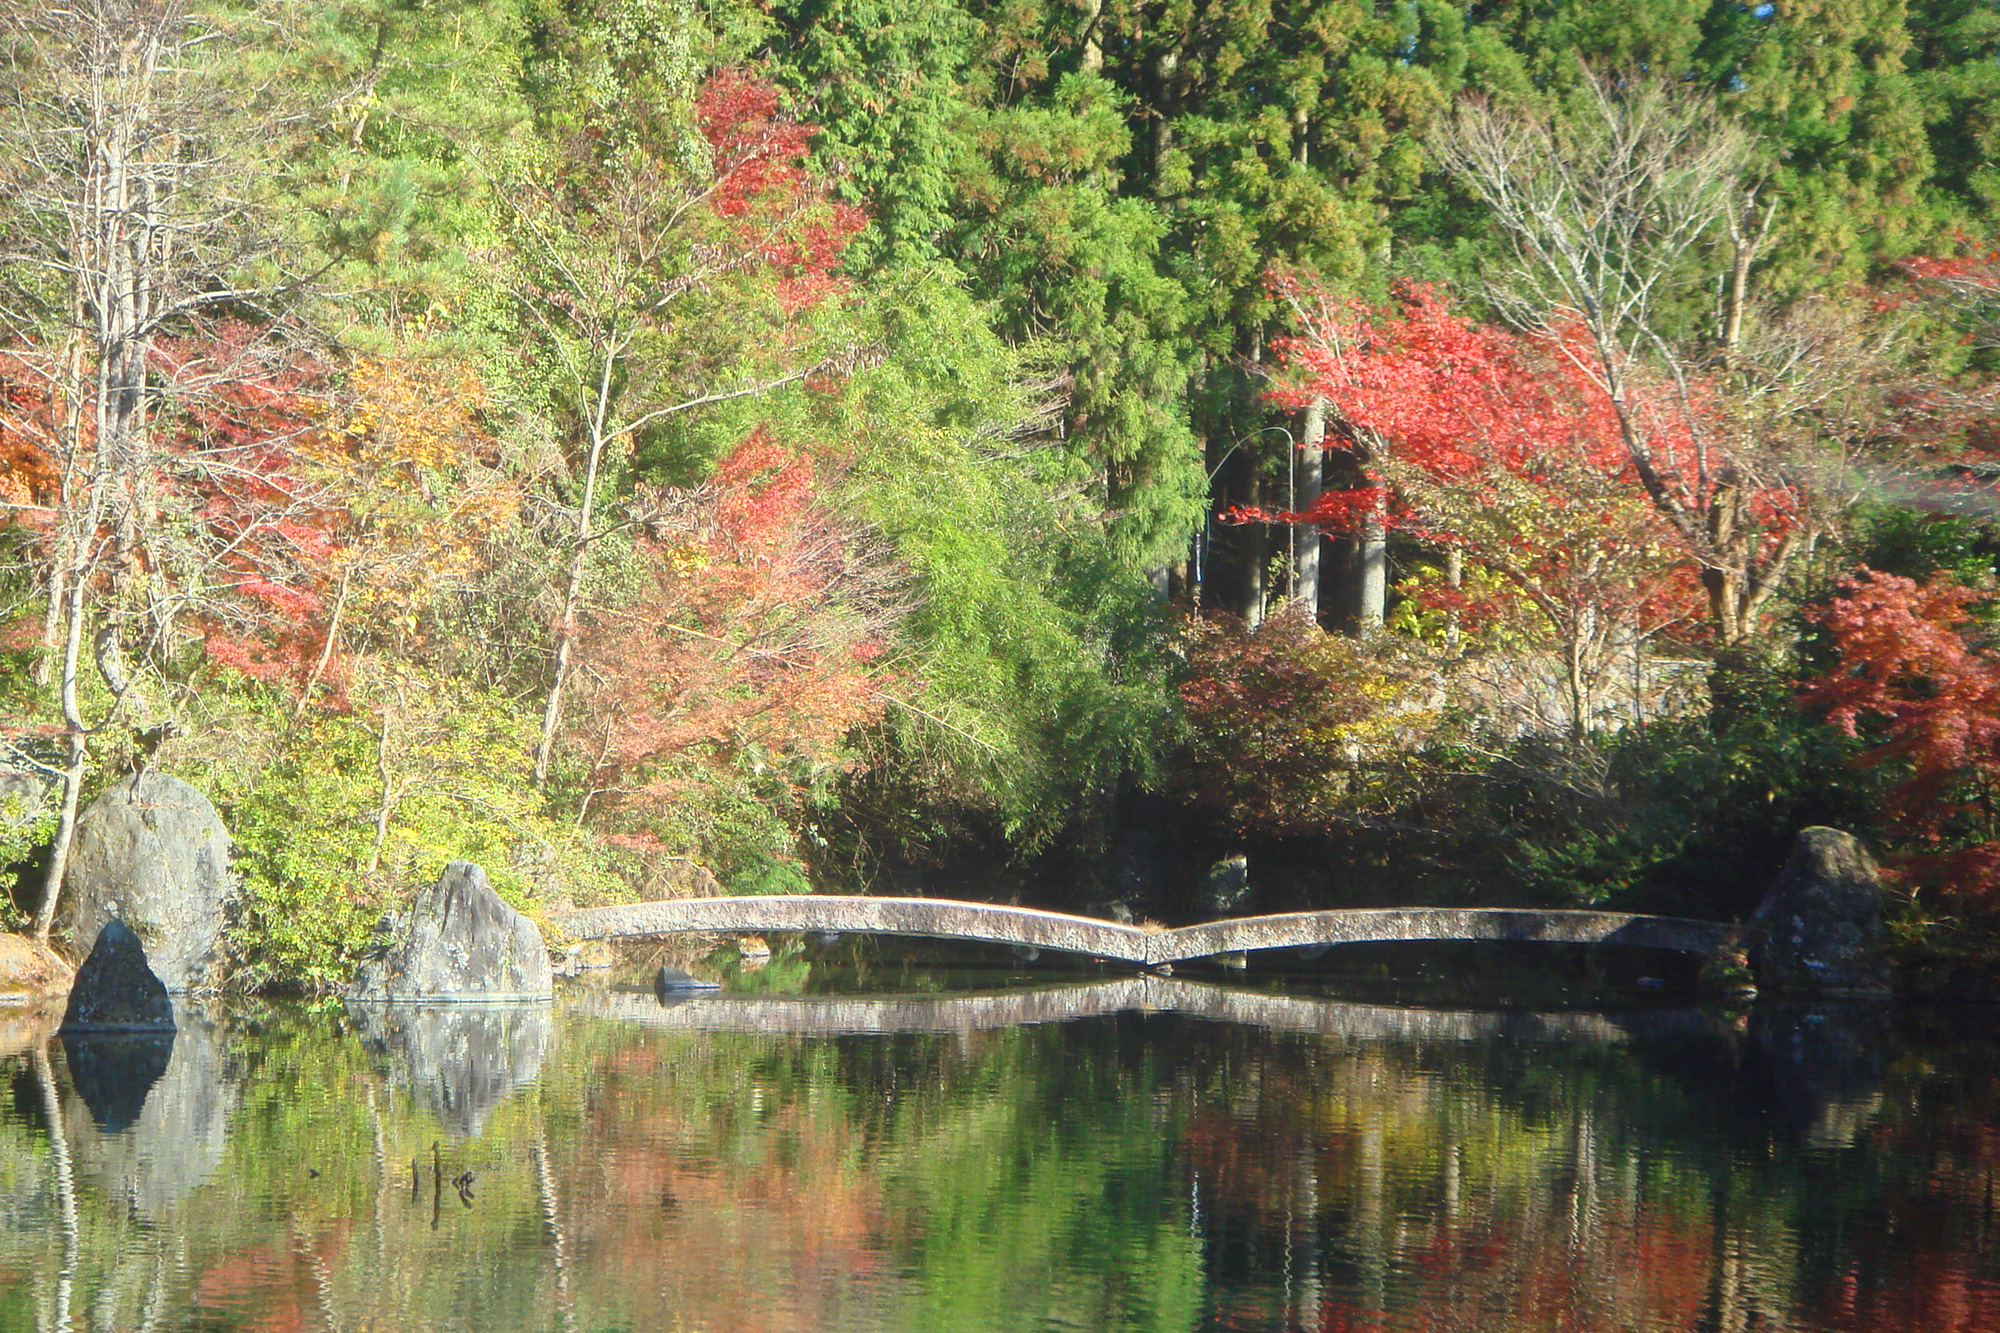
<point>1306,540</point>
<point>579,554</point>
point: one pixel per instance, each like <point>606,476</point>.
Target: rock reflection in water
<point>113,1071</point>
<point>1823,1065</point>
<point>150,1118</point>
<point>459,1061</point>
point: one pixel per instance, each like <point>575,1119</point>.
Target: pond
<point>1124,1153</point>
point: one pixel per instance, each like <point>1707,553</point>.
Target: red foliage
<point>1907,669</point>
<point>1266,708</point>
<point>761,181</point>
<point>220,503</point>
<point>230,450</point>
<point>1498,445</point>
<point>30,416</point>
<point>1460,400</point>
<point>751,640</point>
<point>1970,272</point>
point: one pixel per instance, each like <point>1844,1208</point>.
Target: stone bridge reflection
<point>944,918</point>
<point>845,1015</point>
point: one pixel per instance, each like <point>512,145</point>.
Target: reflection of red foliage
<point>274,1288</point>
<point>1905,663</point>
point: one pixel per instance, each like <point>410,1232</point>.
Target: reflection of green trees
<point>1120,1174</point>
<point>1040,1192</point>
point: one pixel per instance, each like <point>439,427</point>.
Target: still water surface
<point>1138,1154</point>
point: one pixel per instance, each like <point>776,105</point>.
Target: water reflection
<point>1825,1065</point>
<point>1147,1154</point>
<point>113,1071</point>
<point>857,1015</point>
<point>150,1120</point>
<point>460,1060</point>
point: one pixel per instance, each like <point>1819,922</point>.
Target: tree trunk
<point>1373,568</point>
<point>1258,555</point>
<point>1306,540</point>
<point>73,771</point>
<point>1454,573</point>
<point>1578,686</point>
<point>579,554</point>
<point>1093,41</point>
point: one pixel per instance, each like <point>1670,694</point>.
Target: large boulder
<point>115,990</point>
<point>1820,928</point>
<point>459,941</point>
<point>151,852</point>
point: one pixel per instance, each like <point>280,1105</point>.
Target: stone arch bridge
<point>1147,947</point>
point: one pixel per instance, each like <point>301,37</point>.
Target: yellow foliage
<point>409,457</point>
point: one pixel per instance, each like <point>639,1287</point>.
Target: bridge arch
<point>944,918</point>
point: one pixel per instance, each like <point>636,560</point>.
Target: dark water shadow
<point>460,1061</point>
<point>113,1071</point>
<point>1820,1068</point>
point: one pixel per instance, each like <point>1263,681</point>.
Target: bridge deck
<point>944,918</point>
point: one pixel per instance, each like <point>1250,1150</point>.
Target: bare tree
<point>1622,211</point>
<point>118,222</point>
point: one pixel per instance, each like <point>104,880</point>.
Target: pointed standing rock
<point>115,989</point>
<point>459,941</point>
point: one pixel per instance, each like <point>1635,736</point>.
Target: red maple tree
<point>1502,448</point>
<point>754,642</point>
<point>1910,674</point>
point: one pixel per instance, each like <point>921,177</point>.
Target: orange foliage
<point>29,469</point>
<point>753,635</point>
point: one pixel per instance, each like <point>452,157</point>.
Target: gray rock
<point>24,797</point>
<point>152,852</point>
<point>459,941</point>
<point>461,1062</point>
<point>115,990</point>
<point>1820,928</point>
<point>671,980</point>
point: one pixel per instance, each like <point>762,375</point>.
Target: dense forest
<point>1448,452</point>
